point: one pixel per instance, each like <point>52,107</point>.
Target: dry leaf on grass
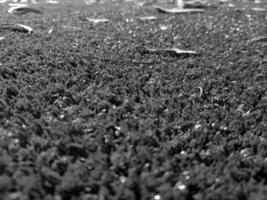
<point>97,20</point>
<point>196,4</point>
<point>174,51</point>
<point>257,9</point>
<point>17,27</point>
<point>2,38</point>
<point>147,18</point>
<point>177,10</point>
<point>52,1</point>
<point>23,9</point>
<point>25,28</point>
<point>17,4</point>
<point>89,2</point>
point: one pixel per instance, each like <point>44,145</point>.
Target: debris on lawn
<point>230,5</point>
<point>194,4</point>
<point>17,4</point>
<point>174,51</point>
<point>26,28</point>
<point>17,27</point>
<point>178,10</point>
<point>163,27</point>
<point>52,1</point>
<point>257,9</point>
<point>140,4</point>
<point>50,31</point>
<point>198,4</point>
<point>103,20</point>
<point>89,2</point>
<point>180,186</point>
<point>14,7</point>
<point>23,9</point>
<point>2,38</point>
<point>147,18</point>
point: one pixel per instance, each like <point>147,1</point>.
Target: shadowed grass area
<point>86,113</point>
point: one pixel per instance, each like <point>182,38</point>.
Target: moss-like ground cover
<point>86,113</point>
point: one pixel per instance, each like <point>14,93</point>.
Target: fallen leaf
<point>2,38</point>
<point>196,4</point>
<point>178,51</point>
<point>97,20</point>
<point>17,4</point>
<point>14,7</point>
<point>89,2</point>
<point>52,1</point>
<point>26,28</point>
<point>23,10</point>
<point>17,27</point>
<point>257,9</point>
<point>177,10</point>
<point>175,51</point>
<point>147,18</point>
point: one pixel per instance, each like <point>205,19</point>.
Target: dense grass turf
<point>85,113</point>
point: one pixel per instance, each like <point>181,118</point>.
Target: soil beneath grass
<point>87,113</point>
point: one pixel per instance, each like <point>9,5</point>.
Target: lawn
<point>95,103</point>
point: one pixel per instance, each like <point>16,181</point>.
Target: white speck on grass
<point>183,153</point>
<point>223,128</point>
<point>197,126</point>
<point>123,179</point>
<point>205,153</point>
<point>157,197</point>
<point>186,175</point>
<point>180,186</point>
<point>244,152</point>
<point>16,141</point>
<point>163,27</point>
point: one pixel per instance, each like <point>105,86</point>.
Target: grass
<point>85,113</point>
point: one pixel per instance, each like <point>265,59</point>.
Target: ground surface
<point>87,113</point>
